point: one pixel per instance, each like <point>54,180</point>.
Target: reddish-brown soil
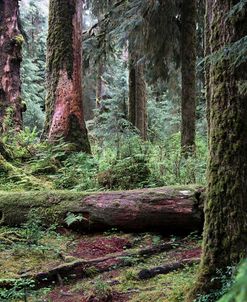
<point>102,245</point>
<point>99,246</point>
<point>193,253</point>
<point>63,295</point>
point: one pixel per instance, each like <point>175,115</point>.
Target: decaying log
<point>167,209</point>
<point>166,269</point>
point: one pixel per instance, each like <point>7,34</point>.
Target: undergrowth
<point>126,163</point>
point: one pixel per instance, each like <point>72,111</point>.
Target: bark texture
<point>64,105</point>
<point>137,95</point>
<point>11,40</point>
<point>165,209</point>
<point>188,57</point>
<point>225,229</point>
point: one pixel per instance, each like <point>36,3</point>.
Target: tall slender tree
<point>64,107</point>
<point>11,41</point>
<point>188,62</point>
<point>225,229</point>
<point>137,94</point>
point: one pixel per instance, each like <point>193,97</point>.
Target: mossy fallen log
<point>167,209</point>
<point>166,269</point>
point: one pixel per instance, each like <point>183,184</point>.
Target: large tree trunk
<point>10,59</point>
<point>225,230</point>
<point>188,57</point>
<point>137,95</point>
<point>64,107</point>
<point>167,210</point>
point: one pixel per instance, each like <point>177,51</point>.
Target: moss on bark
<point>64,103</point>
<point>225,229</point>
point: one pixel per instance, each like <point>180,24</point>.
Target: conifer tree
<point>188,62</point>
<point>137,94</point>
<point>64,107</point>
<point>11,39</point>
<point>225,229</point>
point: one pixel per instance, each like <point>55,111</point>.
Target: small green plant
<point>72,218</point>
<point>130,275</point>
<point>19,289</point>
<point>238,291</point>
<point>33,228</point>
<point>225,279</point>
<point>101,289</point>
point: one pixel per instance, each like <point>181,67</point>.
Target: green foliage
<point>101,289</point>
<point>33,66</point>
<point>225,280</point>
<point>18,292</point>
<point>238,291</point>
<point>127,173</point>
<point>71,218</point>
<point>33,229</point>
<point>78,172</point>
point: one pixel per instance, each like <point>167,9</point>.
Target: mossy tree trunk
<point>225,229</point>
<point>188,57</point>
<point>10,59</point>
<point>64,105</point>
<point>137,94</point>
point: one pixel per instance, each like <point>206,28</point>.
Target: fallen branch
<point>162,270</point>
<point>82,268</point>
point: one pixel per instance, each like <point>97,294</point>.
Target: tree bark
<point>188,57</point>
<point>64,104</point>
<point>137,95</point>
<point>225,229</point>
<point>166,209</point>
<point>10,59</point>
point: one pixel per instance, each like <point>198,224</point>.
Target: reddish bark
<point>65,117</point>
<point>168,210</point>
<point>10,60</point>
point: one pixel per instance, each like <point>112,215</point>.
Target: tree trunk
<point>64,107</point>
<point>10,59</point>
<point>137,95</point>
<point>225,229</point>
<point>99,85</point>
<point>188,57</point>
<point>166,209</point>
<point>208,20</point>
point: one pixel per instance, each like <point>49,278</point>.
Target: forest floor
<point>110,266</point>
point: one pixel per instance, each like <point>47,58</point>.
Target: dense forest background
<point>115,142</point>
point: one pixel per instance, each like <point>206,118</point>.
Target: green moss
<point>41,200</point>
<point>19,39</point>
<point>59,48</point>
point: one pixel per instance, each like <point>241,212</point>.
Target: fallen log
<point>166,269</point>
<point>167,209</point>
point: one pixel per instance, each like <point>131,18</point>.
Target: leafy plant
<point>20,289</point>
<point>72,218</point>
